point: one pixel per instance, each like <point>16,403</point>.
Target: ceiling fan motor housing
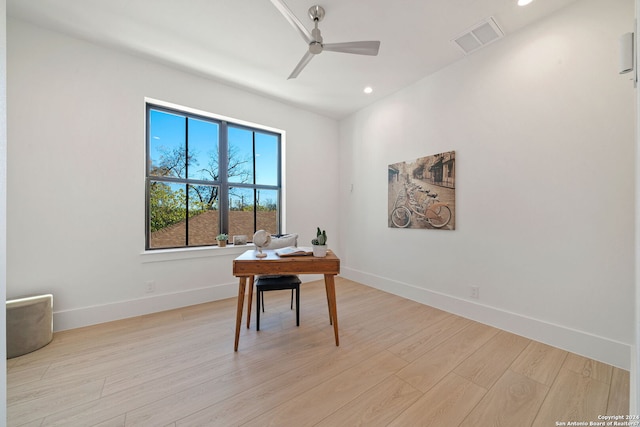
<point>315,46</point>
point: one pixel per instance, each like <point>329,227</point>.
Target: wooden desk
<point>246,266</point>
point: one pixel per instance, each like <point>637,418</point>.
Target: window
<point>206,176</point>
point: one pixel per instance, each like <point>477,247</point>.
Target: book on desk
<point>294,251</point>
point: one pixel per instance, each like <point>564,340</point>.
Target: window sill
<point>162,255</point>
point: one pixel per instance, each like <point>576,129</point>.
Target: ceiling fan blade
<point>303,63</point>
<point>359,48</point>
<point>295,22</point>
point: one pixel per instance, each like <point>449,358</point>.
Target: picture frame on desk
<point>240,239</point>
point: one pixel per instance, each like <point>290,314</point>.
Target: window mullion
<point>255,191</point>
<point>223,155</point>
<point>186,177</point>
<point>279,189</point>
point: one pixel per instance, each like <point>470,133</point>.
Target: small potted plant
<point>320,244</point>
<point>222,239</point>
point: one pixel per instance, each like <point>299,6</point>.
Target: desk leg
<point>330,286</point>
<point>250,300</point>
<point>328,303</point>
<point>241,288</point>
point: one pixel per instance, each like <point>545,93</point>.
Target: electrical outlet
<point>475,292</point>
<point>151,286</point>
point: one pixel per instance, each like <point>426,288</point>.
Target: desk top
<point>248,265</point>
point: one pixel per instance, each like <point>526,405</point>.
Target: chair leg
<point>273,287</point>
<point>260,297</point>
<point>297,306</point>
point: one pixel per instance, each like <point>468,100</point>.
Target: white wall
<point>3,210</point>
<point>76,178</point>
<point>635,353</point>
<point>543,129</point>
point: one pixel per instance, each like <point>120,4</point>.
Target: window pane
<point>267,215</point>
<point>166,144</point>
<point>266,159</point>
<point>203,150</point>
<point>204,218</point>
<point>241,212</point>
<point>167,214</point>
<point>240,166</point>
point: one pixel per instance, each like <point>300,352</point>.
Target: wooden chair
<point>277,284</point>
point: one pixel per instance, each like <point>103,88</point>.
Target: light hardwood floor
<point>399,363</point>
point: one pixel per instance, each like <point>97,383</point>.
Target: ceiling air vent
<point>478,36</point>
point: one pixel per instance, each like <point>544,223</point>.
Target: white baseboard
<point>93,315</point>
<point>86,316</point>
<point>595,347</point>
<point>592,346</point>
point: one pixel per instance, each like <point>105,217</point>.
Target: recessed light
<point>524,2</point>
<point>368,89</point>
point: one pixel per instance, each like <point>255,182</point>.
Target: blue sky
<point>168,134</point>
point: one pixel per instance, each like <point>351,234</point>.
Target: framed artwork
<point>422,192</point>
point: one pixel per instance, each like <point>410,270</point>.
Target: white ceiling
<point>248,43</point>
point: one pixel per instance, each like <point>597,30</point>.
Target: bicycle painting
<point>422,193</point>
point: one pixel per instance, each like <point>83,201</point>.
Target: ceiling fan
<point>314,38</point>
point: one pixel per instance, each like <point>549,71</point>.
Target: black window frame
<point>223,182</point>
